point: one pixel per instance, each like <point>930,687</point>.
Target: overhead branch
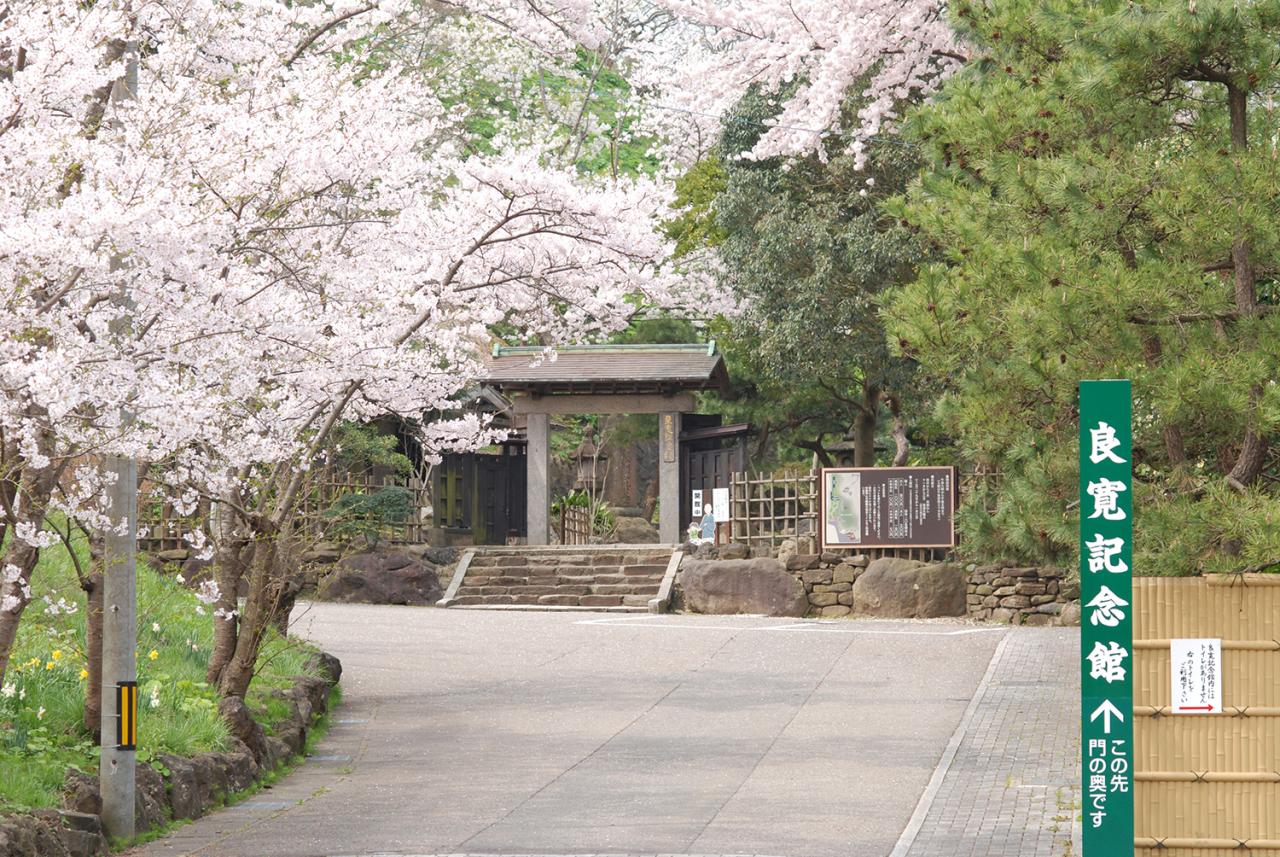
<point>319,31</point>
<point>1187,318</point>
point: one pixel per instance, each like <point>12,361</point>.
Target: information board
<point>1196,679</point>
<point>887,507</point>
<point>1106,628</point>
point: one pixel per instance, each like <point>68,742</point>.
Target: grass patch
<point>42,699</point>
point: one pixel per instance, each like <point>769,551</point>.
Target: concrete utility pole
<point>117,768</point>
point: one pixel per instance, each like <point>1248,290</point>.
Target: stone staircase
<point>611,578</point>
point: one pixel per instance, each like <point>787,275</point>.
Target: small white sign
<point>1197,676</point>
<point>720,505</point>
<point>697,502</point>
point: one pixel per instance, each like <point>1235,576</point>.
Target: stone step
<point>623,589</point>
<point>518,576</point>
<point>589,588</point>
<point>606,580</point>
<point>612,578</point>
<point>647,569</point>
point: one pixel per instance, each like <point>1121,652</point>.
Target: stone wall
<point>1004,593</point>
<point>828,581</point>
<point>1023,595</point>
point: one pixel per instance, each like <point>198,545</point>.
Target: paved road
<point>467,732</point>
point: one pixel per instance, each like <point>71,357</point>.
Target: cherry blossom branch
<point>311,37</point>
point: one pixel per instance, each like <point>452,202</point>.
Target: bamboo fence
<point>1206,785</point>
<point>575,525</point>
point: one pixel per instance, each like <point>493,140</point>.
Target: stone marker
<point>894,588</point>
<point>742,586</point>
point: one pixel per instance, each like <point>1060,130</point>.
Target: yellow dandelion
<point>84,673</point>
<point>49,665</point>
<point>57,654</point>
<point>153,654</point>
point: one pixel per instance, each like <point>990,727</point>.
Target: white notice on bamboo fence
<point>1197,676</point>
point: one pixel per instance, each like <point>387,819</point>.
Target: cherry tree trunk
<point>259,609</point>
<point>229,565</point>
<point>22,556</point>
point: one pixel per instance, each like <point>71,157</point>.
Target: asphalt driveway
<point>570,733</point>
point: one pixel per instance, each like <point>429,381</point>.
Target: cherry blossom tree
<point>812,53</point>
<point>280,230</point>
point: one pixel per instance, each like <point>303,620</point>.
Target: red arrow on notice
<point>1196,708</point>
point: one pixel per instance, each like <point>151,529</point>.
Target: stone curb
<point>662,603</point>
<point>459,572</point>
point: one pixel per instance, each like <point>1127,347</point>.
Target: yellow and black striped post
<point>127,715</point>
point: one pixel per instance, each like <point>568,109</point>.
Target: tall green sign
<point>1106,626</point>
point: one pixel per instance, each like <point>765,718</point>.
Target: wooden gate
<point>481,495</point>
<point>705,470</point>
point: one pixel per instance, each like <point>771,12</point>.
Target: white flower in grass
<point>155,697</point>
<point>8,691</point>
<point>155,626</point>
<point>40,713</point>
<point>199,610</point>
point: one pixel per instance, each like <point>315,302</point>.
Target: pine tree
<point>1102,185</point>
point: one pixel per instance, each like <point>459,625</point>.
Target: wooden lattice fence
<point>327,491</point>
<point>766,508</point>
<point>575,525</point>
<point>162,528</point>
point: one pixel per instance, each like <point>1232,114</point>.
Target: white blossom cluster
<point>893,50</point>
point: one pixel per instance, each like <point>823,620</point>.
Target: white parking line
<point>805,627</point>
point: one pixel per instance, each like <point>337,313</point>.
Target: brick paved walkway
<point>1012,788</point>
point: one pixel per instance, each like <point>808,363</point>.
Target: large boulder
<point>635,531</point>
<point>760,586</point>
<point>382,577</point>
<point>434,554</point>
<point>893,588</point>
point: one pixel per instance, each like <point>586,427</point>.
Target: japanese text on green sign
<point>1106,632</point>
